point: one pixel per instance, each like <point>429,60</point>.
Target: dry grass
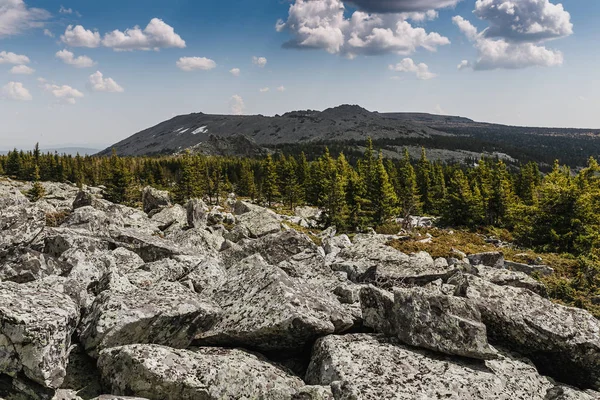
<point>56,219</point>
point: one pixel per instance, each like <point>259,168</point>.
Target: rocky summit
<point>104,301</point>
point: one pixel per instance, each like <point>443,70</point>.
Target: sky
<point>91,73</point>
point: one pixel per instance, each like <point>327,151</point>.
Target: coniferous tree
<point>424,181</point>
<point>37,191</point>
<point>407,189</point>
<point>247,186</point>
<point>384,198</point>
<point>119,184</point>
<point>270,190</point>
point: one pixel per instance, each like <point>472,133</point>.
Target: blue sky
<point>65,79</point>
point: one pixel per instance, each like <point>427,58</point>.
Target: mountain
<point>346,128</point>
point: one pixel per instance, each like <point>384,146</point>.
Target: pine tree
<point>334,201</point>
<point>407,189</point>
<point>119,184</point>
<point>270,190</point>
<point>246,186</point>
<point>37,191</point>
<point>13,164</point>
<point>188,187</point>
<point>463,205</point>
<point>384,198</point>
<point>424,182</point>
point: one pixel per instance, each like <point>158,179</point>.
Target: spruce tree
<point>37,191</point>
<point>270,189</point>
<point>424,182</point>
<point>384,198</point>
<point>407,189</point>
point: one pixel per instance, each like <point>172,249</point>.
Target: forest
<point>555,213</point>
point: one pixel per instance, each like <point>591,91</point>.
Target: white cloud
<point>323,25</point>
<point>64,93</point>
<point>22,70</point>
<point>464,64</point>
<point>98,83</point>
<point>12,58</point>
<point>398,6</point>
<point>408,65</point>
<point>156,35</point>
<point>78,36</point>
<point>236,105</point>
<point>16,17</point>
<point>264,90</point>
<point>281,89</point>
<point>79,62</point>
<point>48,32</point>
<point>524,20</point>
<point>500,53</point>
<point>68,11</point>
<point>235,71</point>
<point>195,63</point>
<point>16,91</point>
<point>260,61</point>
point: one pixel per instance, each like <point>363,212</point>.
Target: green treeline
<point>556,212</point>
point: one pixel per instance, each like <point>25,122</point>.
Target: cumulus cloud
<point>12,58</point>
<point>464,64</point>
<point>323,25</point>
<point>195,63</point>
<point>524,20</point>
<point>235,71</point>
<point>16,91</point>
<point>78,36</point>
<point>79,62</point>
<point>264,90</point>
<point>98,83</point>
<point>500,53</point>
<point>16,17</point>
<point>260,61</point>
<point>398,6</point>
<point>22,70</point>
<point>516,33</point>
<point>48,32</point>
<point>63,93</point>
<point>408,65</point>
<point>236,105</point>
<point>281,89</point>
<point>156,35</point>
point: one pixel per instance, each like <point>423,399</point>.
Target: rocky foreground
<point>102,301</point>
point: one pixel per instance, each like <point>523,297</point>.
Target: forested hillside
<point>556,213</point>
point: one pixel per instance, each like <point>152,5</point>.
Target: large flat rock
<point>162,373</point>
<point>371,367</point>
<point>266,309</point>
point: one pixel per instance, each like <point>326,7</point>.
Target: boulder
<point>27,265</point>
<point>371,367</point>
<point>563,392</point>
<point>162,373</point>
<point>154,199</point>
<point>167,314</point>
<point>20,225</point>
<point>197,213</point>
<point>564,342</point>
<point>505,277</point>
<point>493,259</point>
<point>169,217</point>
<point>198,242</point>
<point>82,376</point>
<point>259,222</point>
<point>36,325</point>
<point>207,277</point>
<point>427,319</point>
<point>313,393</point>
<point>540,270</point>
<point>446,324</point>
<point>336,244</point>
<point>86,198</point>
<point>371,260</point>
<point>149,248</point>
<point>267,310</point>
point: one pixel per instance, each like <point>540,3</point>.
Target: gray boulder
<point>20,225</point>
<point>167,314</point>
<point>36,325</point>
<point>505,277</point>
<point>541,270</point>
<point>169,217</point>
<point>207,277</point>
<point>154,199</point>
<point>427,319</point>
<point>27,265</point>
<point>197,213</point>
<point>259,222</point>
<point>371,367</point>
<point>162,373</point>
<point>564,342</point>
<point>493,259</point>
<point>265,309</point>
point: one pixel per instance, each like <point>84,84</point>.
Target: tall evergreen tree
<point>270,189</point>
